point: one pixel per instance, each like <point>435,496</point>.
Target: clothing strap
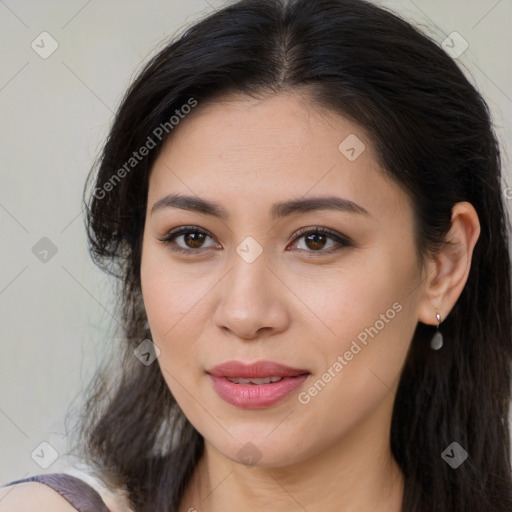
<point>80,494</point>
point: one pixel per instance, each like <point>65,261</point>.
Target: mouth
<point>257,385</point>
<point>255,382</point>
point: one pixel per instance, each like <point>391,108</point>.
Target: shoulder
<point>61,492</point>
<point>28,496</point>
<point>116,500</point>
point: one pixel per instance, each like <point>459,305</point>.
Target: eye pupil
<point>195,237</point>
<point>313,237</point>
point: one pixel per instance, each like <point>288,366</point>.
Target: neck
<point>357,473</point>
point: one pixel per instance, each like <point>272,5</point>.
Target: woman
<point>302,203</point>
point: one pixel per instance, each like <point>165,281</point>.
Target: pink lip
<point>255,396</point>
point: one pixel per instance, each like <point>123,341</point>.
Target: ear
<point>448,270</point>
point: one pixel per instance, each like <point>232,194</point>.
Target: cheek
<point>173,301</point>
<point>373,317</point>
<point>371,292</point>
<point>371,314</point>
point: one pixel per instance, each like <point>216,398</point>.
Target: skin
<point>302,307</point>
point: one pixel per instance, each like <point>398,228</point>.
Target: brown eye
<point>315,240</point>
<point>192,239</point>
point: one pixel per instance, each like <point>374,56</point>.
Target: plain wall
<point>55,114</point>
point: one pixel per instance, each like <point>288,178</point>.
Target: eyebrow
<point>278,210</point>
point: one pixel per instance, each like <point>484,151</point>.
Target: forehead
<point>246,152</point>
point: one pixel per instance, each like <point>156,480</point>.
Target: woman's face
<point>248,282</point>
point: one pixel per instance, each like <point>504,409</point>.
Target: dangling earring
<point>437,340</point>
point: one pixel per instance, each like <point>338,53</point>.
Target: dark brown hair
<point>434,136</point>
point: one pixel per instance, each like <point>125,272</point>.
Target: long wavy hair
<point>434,136</point>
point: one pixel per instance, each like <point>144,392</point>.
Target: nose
<point>252,301</point>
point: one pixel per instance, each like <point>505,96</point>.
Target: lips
<point>257,385</point>
<point>258,370</point>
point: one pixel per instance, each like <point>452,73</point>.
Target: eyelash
<point>339,239</point>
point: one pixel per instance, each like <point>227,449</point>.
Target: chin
<point>254,447</point>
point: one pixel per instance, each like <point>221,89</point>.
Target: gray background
<point>56,315</point>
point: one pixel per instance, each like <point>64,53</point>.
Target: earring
<point>437,340</point>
